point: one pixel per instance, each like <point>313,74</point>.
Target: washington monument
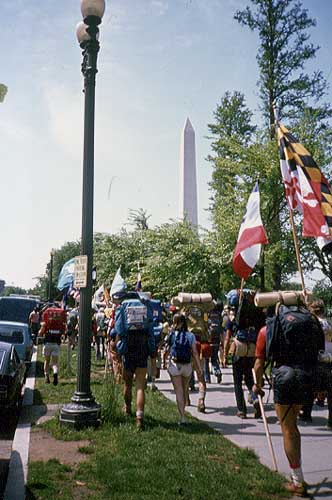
<point>188,183</point>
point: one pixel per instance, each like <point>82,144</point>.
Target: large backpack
<point>134,315</point>
<point>249,320</point>
<point>293,337</point>
<point>180,346</point>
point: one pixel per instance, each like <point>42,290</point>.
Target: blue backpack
<point>180,346</point>
<point>157,318</point>
<point>134,315</point>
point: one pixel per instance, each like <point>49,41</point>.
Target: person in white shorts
<point>51,351</point>
<point>182,349</point>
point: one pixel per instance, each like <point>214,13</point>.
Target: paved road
<point>249,433</point>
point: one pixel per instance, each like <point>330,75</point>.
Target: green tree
<point>284,49</point>
<point>8,290</point>
<point>239,156</point>
<point>139,219</point>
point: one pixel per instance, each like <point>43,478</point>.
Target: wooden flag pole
<point>295,239</point>
<point>297,251</point>
<point>241,290</point>
<point>266,427</point>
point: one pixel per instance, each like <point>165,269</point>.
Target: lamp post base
<point>80,415</point>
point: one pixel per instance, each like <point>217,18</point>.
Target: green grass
<point>163,462</point>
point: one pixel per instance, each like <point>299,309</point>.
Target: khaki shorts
<point>51,349</point>
<point>182,369</point>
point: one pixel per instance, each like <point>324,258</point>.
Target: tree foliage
<point>241,153</point>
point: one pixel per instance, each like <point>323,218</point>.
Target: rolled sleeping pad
<point>289,298</point>
<point>185,298</point>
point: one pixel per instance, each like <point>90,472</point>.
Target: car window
<point>2,357</point>
<point>12,336</point>
<point>17,358</point>
<point>16,309</point>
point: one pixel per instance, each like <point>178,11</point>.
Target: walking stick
<point>266,427</point>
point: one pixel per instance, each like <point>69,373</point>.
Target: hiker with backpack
<point>291,341</point>
<point>323,378</point>
<point>240,342</point>
<point>182,351</point>
<point>135,342</point>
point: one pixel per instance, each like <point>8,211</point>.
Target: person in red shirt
<point>287,407</point>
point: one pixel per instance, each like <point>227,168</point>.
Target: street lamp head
<point>92,11</point>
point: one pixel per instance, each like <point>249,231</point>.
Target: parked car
<point>17,334</point>
<point>12,371</point>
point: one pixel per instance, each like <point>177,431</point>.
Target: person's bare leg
<point>140,375</point>
<point>179,393</point>
<point>185,386</point>
<point>54,363</point>
<point>47,367</point>
<point>287,415</point>
<point>127,389</point>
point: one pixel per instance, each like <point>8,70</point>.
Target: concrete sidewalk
<point>249,433</point>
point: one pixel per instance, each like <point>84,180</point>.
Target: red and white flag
<point>251,237</point>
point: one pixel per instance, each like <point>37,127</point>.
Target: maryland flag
<point>307,190</point>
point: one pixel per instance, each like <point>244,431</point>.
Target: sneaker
<point>55,379</point>
<point>219,378</point>
<point>47,379</point>
<point>182,421</point>
<point>241,414</point>
<point>139,424</point>
<point>299,490</point>
<point>257,409</point>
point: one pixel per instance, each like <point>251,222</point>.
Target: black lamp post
<point>83,410</point>
<point>50,277</point>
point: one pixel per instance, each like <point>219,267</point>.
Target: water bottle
<point>325,357</point>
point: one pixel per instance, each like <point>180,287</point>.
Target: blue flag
<point>66,276</point>
<point>119,284</point>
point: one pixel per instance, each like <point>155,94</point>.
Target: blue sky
<point>160,61</point>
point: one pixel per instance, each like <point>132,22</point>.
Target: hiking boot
<point>299,490</point>
<point>241,414</point>
<point>201,406</point>
<point>139,424</point>
<point>257,409</point>
<point>47,379</point>
<point>55,379</point>
<point>219,378</point>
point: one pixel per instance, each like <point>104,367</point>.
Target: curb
<point>18,465</point>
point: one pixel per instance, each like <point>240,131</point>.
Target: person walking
<point>34,324</point>
<point>292,380</point>
<point>135,342</point>
<point>182,351</point>
<point>240,343</point>
<point>323,375</point>
<point>53,326</point>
